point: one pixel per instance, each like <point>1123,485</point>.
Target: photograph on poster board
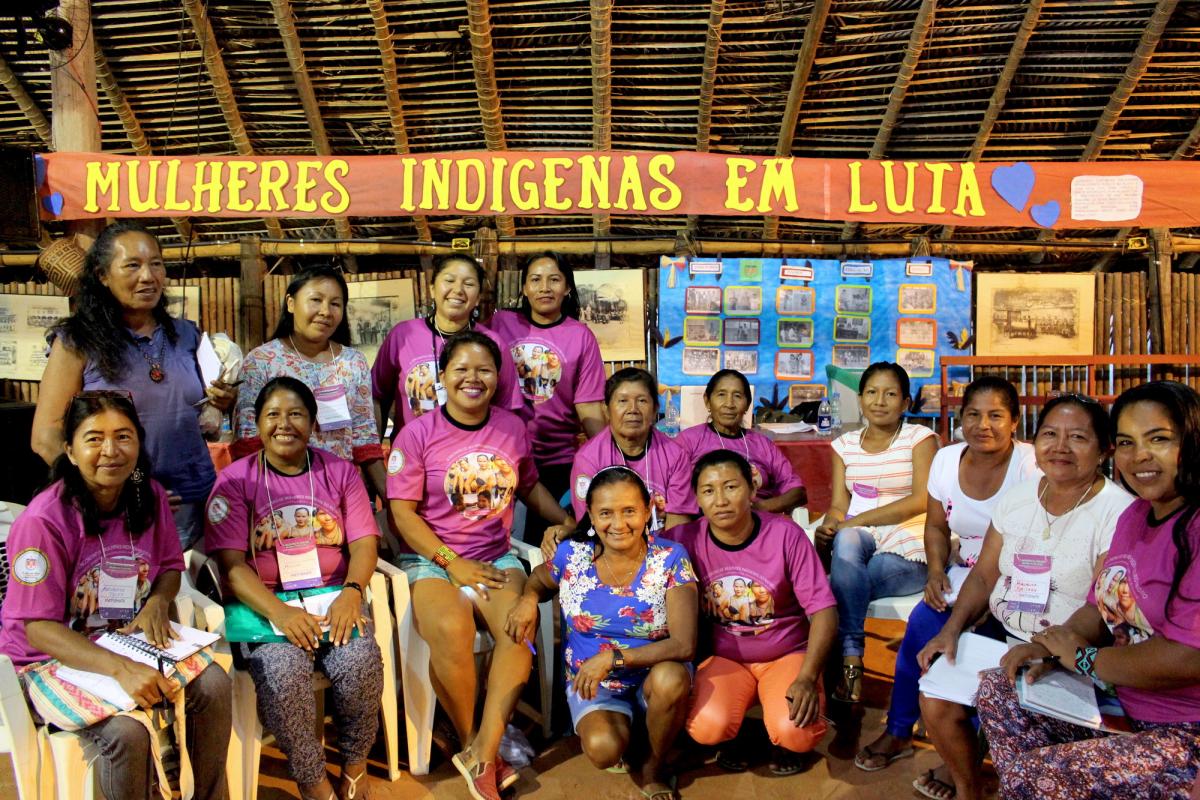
<point>693,411</point>
<point>702,330</point>
<point>917,298</point>
<point>917,363</point>
<point>916,332</point>
<point>794,333</point>
<point>701,360</point>
<point>742,331</point>
<point>853,299</point>
<point>23,323</point>
<point>794,365</point>
<point>795,301</point>
<point>743,300</point>
<point>852,356</point>
<point>183,302</point>
<point>612,304</point>
<point>851,329</point>
<point>805,393</point>
<point>375,307</point>
<point>1034,314</point>
<point>744,361</point>
<point>702,300</point>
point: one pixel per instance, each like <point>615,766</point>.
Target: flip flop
<point>784,762</point>
<point>619,768</point>
<point>732,759</point>
<point>922,785</point>
<point>861,762</point>
<point>665,792</point>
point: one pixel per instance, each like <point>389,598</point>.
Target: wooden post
<point>253,310</point>
<point>74,120</point>
<point>1160,255</point>
<point>487,250</point>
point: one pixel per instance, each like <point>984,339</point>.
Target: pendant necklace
<point>156,371</point>
<point>1046,512</point>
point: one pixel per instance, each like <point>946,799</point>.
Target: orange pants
<point>724,690</point>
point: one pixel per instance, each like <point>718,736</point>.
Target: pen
<point>532,649</point>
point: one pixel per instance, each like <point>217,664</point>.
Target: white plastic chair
<point>419,698</point>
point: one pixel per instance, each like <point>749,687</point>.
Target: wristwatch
<point>618,661</point>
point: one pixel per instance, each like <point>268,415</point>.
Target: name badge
<point>117,592</point>
<point>863,497</point>
<point>333,408</point>
<point>299,567</point>
<point>1030,589</point>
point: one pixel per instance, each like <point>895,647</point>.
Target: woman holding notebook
<point>1047,536</point>
<point>98,549</point>
<point>1137,633</point>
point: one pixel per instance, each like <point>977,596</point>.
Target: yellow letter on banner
<point>734,181</point>
<point>593,183</point>
<point>304,185</point>
<point>968,193</point>
<point>631,185</point>
<point>857,206</point>
<point>172,202</point>
<point>337,199</point>
<point>211,187</point>
<point>938,170</point>
<point>136,202</point>
<point>435,181</point>
<point>529,201</point>
<point>236,184</point>
<point>103,179</point>
<point>889,187</point>
<point>462,167</point>
<point>273,176</point>
<point>552,181</point>
<point>667,196</point>
<point>777,180</point>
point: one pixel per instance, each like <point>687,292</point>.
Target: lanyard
<point>104,554</point>
<point>721,440</point>
<point>312,495</point>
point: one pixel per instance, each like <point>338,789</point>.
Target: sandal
<point>929,785</point>
<point>619,768</point>
<point>867,755</point>
<point>657,790</point>
<point>732,758</point>
<point>351,785</point>
<point>784,762</point>
<point>850,689</point>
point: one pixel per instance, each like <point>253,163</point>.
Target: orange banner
<point>995,194</point>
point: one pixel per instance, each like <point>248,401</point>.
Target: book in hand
<point>1075,699</point>
<point>959,682</point>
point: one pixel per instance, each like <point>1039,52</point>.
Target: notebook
<point>244,624</point>
<point>1075,699</point>
<point>959,682</point>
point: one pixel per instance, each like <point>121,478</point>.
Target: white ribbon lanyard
<point>649,486</point>
<point>299,566</point>
<point>755,473</point>
<point>333,407</point>
<point>116,595</point>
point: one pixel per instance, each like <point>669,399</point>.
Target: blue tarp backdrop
<point>781,321</point>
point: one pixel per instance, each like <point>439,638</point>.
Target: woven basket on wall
<point>63,262</point>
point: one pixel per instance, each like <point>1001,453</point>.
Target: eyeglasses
<point>1075,396</point>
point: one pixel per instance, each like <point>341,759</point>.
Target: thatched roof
<point>1002,80</point>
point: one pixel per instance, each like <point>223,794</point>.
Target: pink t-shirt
<point>772,472</point>
<point>558,365</point>
<point>253,505</point>
<point>663,466</point>
<point>55,567</point>
<point>463,478</point>
<point>406,367</point>
<point>757,596</point>
<point>1131,594</point>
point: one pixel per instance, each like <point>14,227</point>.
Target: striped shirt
<point>876,479</point>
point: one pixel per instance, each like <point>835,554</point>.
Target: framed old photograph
<point>183,302</point>
<point>851,329</point>
<point>374,309</point>
<point>702,330</point>
<point>742,331</point>
<point>917,298</point>
<point>1034,313</point>
<point>805,393</point>
<point>916,332</point>
<point>917,363</point>
<point>852,356</point>
<point>701,360</point>
<point>795,333</point>
<point>795,301</point>
<point>744,361</point>
<point>743,300</point>
<point>796,365</point>
<point>853,299</point>
<point>612,304</point>
<point>702,300</point>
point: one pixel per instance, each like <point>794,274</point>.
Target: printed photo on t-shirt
<point>741,604</point>
<point>539,370</point>
<point>297,522</point>
<point>480,485</point>
<point>1119,608</point>
<point>420,388</point>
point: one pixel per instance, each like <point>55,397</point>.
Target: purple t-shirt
<point>55,567</point>
<point>558,365</point>
<point>253,505</point>
<point>757,596</point>
<point>663,466</point>
<point>406,367</point>
<point>463,478</point>
<point>1131,594</point>
<point>772,472</point>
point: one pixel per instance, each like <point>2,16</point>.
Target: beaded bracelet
<point>443,556</point>
<point>1085,661</point>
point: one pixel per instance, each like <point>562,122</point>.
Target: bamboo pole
<point>601,19</point>
<point>28,106</point>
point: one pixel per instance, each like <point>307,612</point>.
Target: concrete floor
<point>561,771</point>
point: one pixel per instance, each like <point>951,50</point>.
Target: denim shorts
<point>622,700</point>
<point>419,568</point>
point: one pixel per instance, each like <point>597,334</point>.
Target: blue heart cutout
<point>1014,184</point>
<point>53,203</point>
<point>1046,214</point>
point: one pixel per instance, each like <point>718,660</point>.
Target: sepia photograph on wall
<point>1034,313</point>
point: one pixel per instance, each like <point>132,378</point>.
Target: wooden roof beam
<point>286,22</point>
<point>708,81</point>
<point>391,88</point>
<point>223,90</point>
<point>908,66</point>
<point>1000,91</point>
<point>791,112</point>
<point>601,12</point>
<point>479,23</point>
<point>133,128</point>
<point>28,106</point>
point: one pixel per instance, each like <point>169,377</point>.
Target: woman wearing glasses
<point>98,548</point>
<point>121,337</point>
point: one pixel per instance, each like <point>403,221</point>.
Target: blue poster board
<point>781,322</point>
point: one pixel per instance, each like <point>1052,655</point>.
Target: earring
<point>592,532</point>
<point>137,476</point>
